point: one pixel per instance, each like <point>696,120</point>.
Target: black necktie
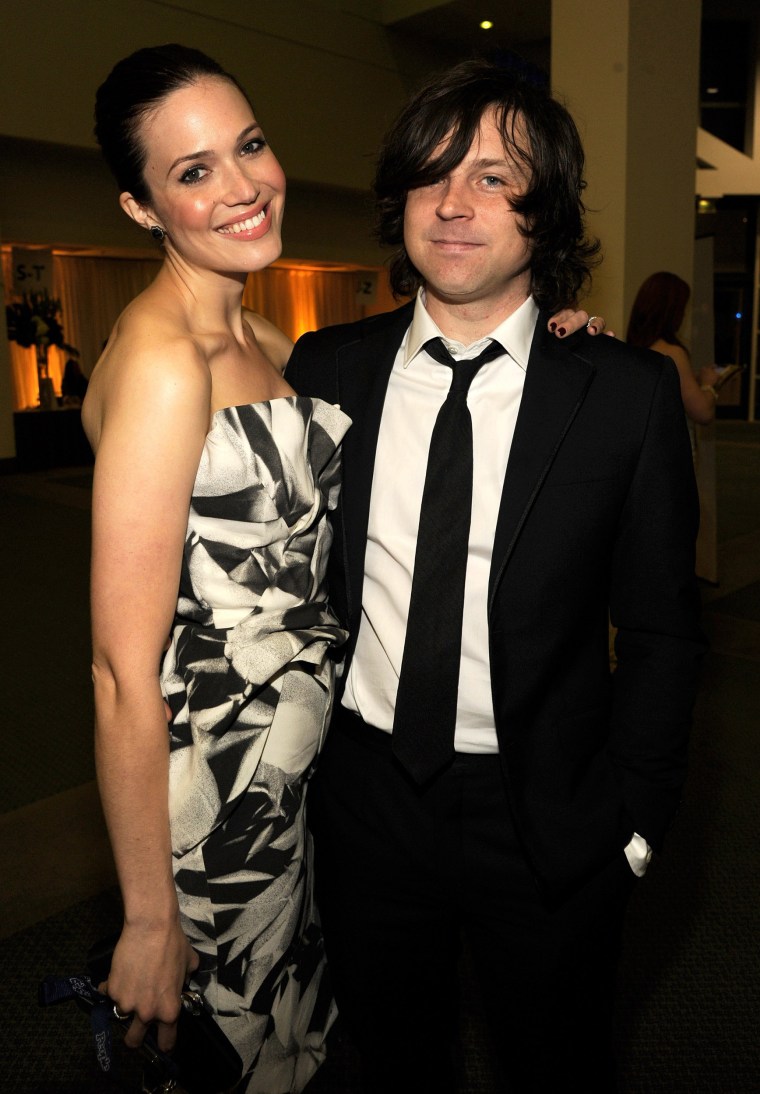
<point>426,703</point>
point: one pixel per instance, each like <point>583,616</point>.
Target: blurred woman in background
<point>656,318</point>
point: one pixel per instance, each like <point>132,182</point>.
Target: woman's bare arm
<point>150,429</point>
<point>698,404</point>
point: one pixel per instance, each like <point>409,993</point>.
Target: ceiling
<point>515,21</point>
<point>453,28</point>
<point>452,31</point>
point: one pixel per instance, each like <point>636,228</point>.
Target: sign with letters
<point>32,271</point>
<point>366,287</point>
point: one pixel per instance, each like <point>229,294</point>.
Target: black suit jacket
<point>599,513</point>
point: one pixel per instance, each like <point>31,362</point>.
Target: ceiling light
<point>486,24</point>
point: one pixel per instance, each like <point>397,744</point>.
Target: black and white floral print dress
<point>249,681</point>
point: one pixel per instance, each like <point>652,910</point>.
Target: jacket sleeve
<point>654,603</point>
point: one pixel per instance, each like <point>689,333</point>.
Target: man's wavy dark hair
<point>433,134</point>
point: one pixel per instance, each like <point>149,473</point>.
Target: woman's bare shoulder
<point>150,361</point>
<point>275,345</point>
<point>677,353</point>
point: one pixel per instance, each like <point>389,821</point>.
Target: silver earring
<point>157,232</point>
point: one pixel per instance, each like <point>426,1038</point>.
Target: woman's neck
<point>208,300</point>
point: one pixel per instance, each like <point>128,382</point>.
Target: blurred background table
<point>50,438</point>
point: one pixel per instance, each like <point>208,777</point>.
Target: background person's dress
<point>249,681</point>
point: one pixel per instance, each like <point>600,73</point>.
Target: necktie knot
<point>463,372</point>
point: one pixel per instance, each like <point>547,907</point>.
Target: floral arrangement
<point>34,321</point>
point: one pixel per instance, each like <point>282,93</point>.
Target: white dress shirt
<point>417,389</point>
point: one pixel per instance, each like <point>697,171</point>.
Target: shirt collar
<point>515,333</point>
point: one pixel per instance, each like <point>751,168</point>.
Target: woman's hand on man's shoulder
<point>568,321</point>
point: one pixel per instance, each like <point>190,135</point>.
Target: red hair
<point>658,310</point>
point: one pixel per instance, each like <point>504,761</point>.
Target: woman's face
<point>215,186</point>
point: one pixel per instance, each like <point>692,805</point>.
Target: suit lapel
<point>364,367</point>
<point>556,382</point>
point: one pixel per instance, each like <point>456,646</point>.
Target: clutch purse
<point>203,1061</point>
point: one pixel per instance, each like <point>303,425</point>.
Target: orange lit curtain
<point>94,291</point>
<point>24,361</point>
<point>299,300</point>
<point>93,294</point>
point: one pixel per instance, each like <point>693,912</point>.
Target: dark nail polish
<point>552,327</point>
<point>562,332</point>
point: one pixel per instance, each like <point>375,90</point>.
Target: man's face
<point>462,234</point>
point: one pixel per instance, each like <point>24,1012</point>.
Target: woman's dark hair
<point>134,87</point>
<point>73,382</point>
<point>71,369</point>
<point>658,310</point>
<point>449,109</point>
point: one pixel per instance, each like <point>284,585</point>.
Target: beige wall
<point>63,196</point>
<point>323,78</point>
<point>635,99</point>
<point>324,83</point>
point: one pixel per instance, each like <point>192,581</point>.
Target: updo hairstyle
<point>135,86</point>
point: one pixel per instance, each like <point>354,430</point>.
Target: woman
<point>212,477</point>
<point>73,384</point>
<point>656,317</point>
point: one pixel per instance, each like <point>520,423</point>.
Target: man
<point>495,782</point>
